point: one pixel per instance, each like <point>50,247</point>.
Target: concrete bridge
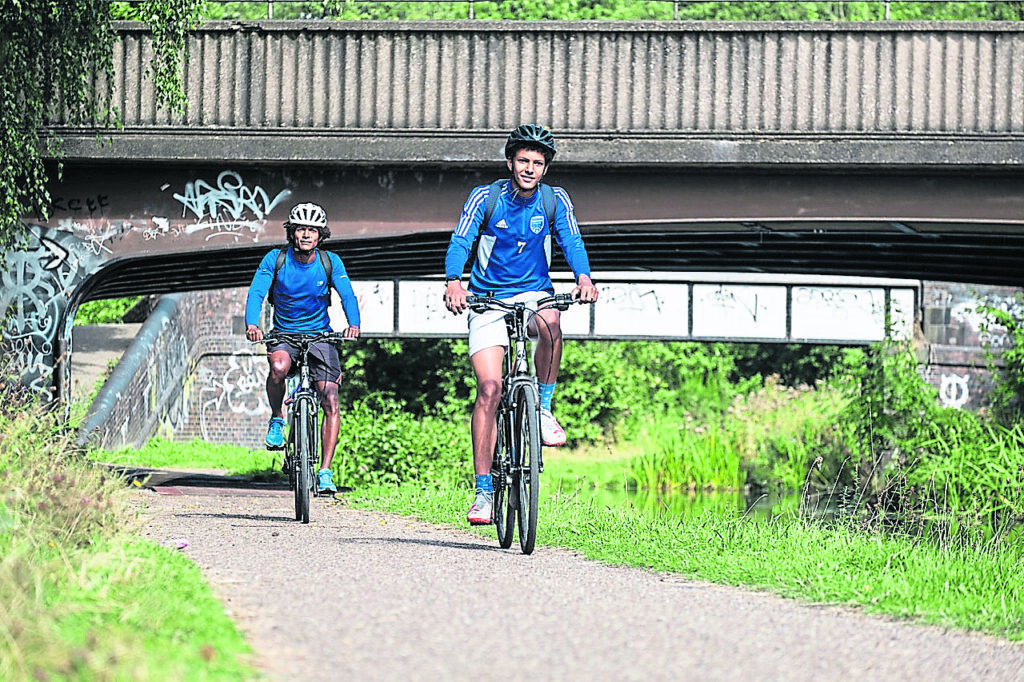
<point>880,150</point>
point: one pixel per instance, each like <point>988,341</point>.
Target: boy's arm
<point>258,289</point>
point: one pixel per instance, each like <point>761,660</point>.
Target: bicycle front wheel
<point>304,440</point>
<point>526,463</point>
<point>503,513</point>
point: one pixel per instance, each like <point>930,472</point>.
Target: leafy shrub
<point>427,376</point>
<point>1006,398</point>
<point>380,442</point>
<point>604,387</point>
<point>916,462</point>
<point>106,311</point>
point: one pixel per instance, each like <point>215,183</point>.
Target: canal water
<point>678,503</point>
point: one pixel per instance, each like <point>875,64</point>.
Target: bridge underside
<point>177,228</point>
<point>929,251</point>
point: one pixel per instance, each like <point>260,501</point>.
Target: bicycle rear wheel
<point>503,513</point>
<point>526,463</point>
<point>303,445</point>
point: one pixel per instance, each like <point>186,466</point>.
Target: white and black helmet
<point>307,214</point>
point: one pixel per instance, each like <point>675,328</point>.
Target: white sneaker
<point>480,513</point>
<point>550,431</point>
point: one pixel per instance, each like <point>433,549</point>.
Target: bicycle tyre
<point>302,448</point>
<point>527,463</point>
<point>503,514</point>
<point>313,430</point>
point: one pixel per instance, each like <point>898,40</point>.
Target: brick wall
<point>955,340</point>
<point>226,388</point>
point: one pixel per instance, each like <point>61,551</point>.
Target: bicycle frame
<point>516,468</point>
<point>302,449</point>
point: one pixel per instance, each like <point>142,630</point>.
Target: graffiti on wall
<point>224,210</point>
<point>954,390</point>
<point>739,311</point>
<point>239,389</point>
<point>37,283</point>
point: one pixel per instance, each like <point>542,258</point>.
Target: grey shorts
<point>324,363</point>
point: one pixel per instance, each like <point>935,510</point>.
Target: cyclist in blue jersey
<point>296,280</point>
<point>512,257</point>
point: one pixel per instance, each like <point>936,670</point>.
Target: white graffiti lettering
<point>240,389</point>
<point>229,201</point>
<point>954,391</point>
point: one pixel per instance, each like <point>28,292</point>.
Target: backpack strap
<point>325,261</point>
<point>278,264</point>
<point>493,192</point>
<point>547,197</point>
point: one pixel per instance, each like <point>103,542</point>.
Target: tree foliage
<point>50,53</point>
<point>600,10</point>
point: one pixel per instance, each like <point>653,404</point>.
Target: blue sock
<point>547,392</point>
<point>483,483</point>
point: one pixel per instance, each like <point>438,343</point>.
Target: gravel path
<point>383,597</point>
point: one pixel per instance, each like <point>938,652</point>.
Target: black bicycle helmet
<point>530,135</point>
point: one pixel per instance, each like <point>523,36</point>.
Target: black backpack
<point>325,261</point>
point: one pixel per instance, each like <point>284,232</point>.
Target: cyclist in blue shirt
<point>296,280</point>
<point>512,257</point>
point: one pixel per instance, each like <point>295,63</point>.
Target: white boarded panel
<point>901,304</point>
<point>421,310</point>
<point>739,311</point>
<point>575,320</point>
<point>832,313</point>
<point>642,309</point>
<point>376,308</point>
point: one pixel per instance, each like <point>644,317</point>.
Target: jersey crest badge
<point>536,224</point>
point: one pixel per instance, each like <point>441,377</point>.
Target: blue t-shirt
<point>514,252</point>
<point>301,293</point>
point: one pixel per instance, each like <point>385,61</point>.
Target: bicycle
<point>302,447</point>
<point>517,463</point>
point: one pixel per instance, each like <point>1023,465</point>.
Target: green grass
<point>197,454</point>
<point>961,587</point>
<point>84,598</point>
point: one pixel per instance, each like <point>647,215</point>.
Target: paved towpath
<point>359,595</point>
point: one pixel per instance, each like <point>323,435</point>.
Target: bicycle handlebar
<point>276,336</point>
<point>482,303</point>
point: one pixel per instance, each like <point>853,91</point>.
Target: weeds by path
<point>83,598</point>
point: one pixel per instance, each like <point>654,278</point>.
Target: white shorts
<point>487,329</point>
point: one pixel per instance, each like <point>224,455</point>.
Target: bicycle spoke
<point>504,511</point>
<point>527,455</point>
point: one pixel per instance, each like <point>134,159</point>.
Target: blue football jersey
<point>302,293</point>
<point>513,253</point>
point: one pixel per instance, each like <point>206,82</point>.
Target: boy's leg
<point>487,367</point>
<point>547,359</point>
<point>280,362</point>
